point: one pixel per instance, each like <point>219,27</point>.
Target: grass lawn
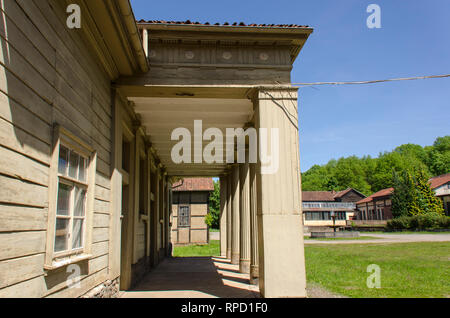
<point>407,269</point>
<point>214,230</point>
<point>342,238</point>
<point>211,249</point>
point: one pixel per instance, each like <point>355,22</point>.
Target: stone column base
<point>244,266</point>
<point>254,274</point>
<point>235,258</point>
<point>229,253</point>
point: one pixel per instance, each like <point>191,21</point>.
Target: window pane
<point>82,171</point>
<point>61,235</point>
<point>63,199</point>
<point>80,199</point>
<point>77,240</point>
<point>73,165</point>
<point>183,216</point>
<point>62,165</point>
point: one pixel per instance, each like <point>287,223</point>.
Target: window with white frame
<point>71,191</point>
<point>71,202</point>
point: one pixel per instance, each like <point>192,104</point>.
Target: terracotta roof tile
<point>317,196</point>
<point>439,180</point>
<point>342,193</point>
<point>194,184</point>
<point>381,193</point>
<point>224,24</point>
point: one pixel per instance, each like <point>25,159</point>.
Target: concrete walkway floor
<point>194,277</point>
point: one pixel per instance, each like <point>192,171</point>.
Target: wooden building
<point>86,119</point>
<point>190,205</point>
<point>441,187</point>
<point>376,207</point>
<point>320,206</point>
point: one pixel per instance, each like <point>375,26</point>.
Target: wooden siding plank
<point>33,288</point>
<point>19,218</point>
<point>19,269</point>
<point>21,117</point>
<point>100,234</point>
<point>19,244</point>
<point>101,220</point>
<point>16,191</point>
<point>16,165</point>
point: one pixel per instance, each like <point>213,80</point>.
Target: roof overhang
<point>294,36</point>
<point>109,27</point>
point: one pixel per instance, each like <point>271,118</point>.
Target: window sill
<point>65,262</point>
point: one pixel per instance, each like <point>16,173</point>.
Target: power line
<point>371,82</point>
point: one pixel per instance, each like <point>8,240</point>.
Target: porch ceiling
<point>161,115</point>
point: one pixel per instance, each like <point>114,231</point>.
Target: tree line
<point>369,175</point>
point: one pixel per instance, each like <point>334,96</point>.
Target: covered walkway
<point>194,277</point>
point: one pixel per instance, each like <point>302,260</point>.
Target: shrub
<point>400,223</point>
<point>430,221</point>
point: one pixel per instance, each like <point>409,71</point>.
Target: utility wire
<point>371,82</point>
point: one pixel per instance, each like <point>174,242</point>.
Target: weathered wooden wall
<point>47,75</point>
<point>197,232</point>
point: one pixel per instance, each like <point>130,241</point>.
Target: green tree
<point>212,219</point>
<point>413,195</point>
<point>424,201</point>
<point>403,195</point>
<point>369,175</point>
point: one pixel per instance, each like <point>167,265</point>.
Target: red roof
<point>224,24</point>
<point>317,196</point>
<point>439,180</point>
<point>342,193</point>
<point>381,193</point>
<point>194,184</point>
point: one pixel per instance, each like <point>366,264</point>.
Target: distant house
<point>441,187</point>
<point>189,208</point>
<point>376,206</point>
<point>319,206</point>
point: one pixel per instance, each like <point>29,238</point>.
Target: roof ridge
<point>242,24</point>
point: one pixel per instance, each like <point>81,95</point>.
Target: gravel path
<point>389,238</point>
<point>316,291</point>
<point>214,235</point>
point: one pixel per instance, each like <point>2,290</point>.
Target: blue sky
<point>339,121</point>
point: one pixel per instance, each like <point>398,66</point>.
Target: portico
<point>230,77</point>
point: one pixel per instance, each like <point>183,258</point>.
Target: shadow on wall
<point>29,87</point>
<point>26,96</point>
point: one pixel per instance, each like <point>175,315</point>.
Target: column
<point>280,226</point>
<point>223,215</point>
<point>229,214</point>
<point>235,231</point>
<point>168,208</point>
<point>155,225</point>
<point>254,260</point>
<point>244,209</point>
